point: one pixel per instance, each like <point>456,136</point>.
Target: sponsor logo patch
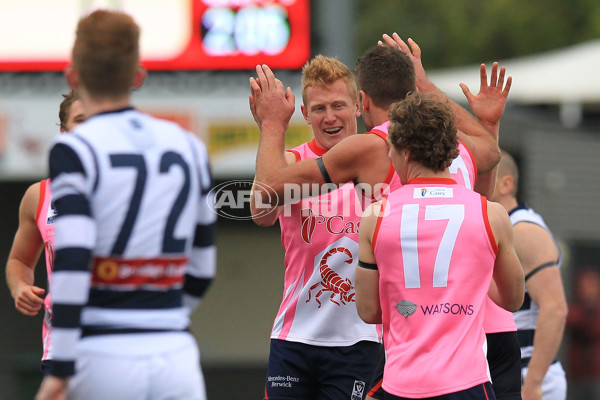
<point>406,308</point>
<point>429,192</point>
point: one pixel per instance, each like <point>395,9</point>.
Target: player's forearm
<point>18,274</point>
<point>546,342</point>
<point>486,183</point>
<point>263,214</point>
<point>270,160</point>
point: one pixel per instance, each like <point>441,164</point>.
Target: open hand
<point>488,105</point>
<point>269,102</point>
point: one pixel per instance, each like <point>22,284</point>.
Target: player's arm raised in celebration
<point>272,108</point>
<point>488,106</point>
<point>481,143</point>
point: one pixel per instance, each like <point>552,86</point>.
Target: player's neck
<point>508,202</point>
<point>94,106</point>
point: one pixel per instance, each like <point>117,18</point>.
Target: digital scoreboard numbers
<point>176,34</point>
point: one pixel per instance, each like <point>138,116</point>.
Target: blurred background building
<point>201,53</point>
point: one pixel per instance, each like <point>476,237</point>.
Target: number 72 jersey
<point>134,220</point>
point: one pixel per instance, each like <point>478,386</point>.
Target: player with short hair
<point>134,238</point>
<point>316,357</point>
<point>541,320</point>
<point>428,253</point>
<point>36,233</point>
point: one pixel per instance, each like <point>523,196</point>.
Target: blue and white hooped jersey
<point>135,228</point>
<point>526,317</point>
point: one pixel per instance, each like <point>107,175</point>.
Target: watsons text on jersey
<point>447,308</point>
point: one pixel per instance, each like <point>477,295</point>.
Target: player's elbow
<point>263,220</point>
<point>370,314</point>
<point>559,312</point>
<point>489,159</point>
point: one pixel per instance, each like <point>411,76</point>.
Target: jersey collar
<point>315,148</point>
<point>429,181</point>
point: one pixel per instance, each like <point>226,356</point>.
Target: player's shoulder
<point>31,198</point>
<point>359,144</point>
<point>498,218</point>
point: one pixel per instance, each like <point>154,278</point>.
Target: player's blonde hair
<point>322,71</point>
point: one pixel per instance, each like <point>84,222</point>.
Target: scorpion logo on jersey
<point>332,282</point>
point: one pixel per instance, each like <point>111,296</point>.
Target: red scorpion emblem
<point>332,282</point>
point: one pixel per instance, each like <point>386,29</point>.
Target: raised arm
<point>488,106</point>
<point>482,144</point>
<point>272,108</point>
<point>265,214</point>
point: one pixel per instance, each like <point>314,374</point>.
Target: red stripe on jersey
<point>43,185</point>
<point>488,227</point>
<point>160,272</point>
<point>378,223</point>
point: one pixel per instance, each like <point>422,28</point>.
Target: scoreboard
<point>187,35</point>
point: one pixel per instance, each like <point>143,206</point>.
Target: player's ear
<point>365,100</point>
<point>72,77</point>
<point>507,184</point>
<point>305,114</point>
<point>139,77</point>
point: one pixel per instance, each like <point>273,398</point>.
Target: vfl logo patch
<point>358,390</point>
<point>51,216</point>
<point>406,308</point>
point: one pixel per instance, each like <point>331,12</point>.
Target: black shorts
<point>374,389</point>
<point>482,391</point>
<point>504,359</point>
<point>300,371</point>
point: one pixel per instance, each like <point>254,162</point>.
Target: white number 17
<point>455,214</point>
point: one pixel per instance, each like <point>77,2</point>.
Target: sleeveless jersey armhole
<point>40,206</point>
<point>472,160</point>
<point>296,154</point>
<point>391,171</point>
<point>378,224</point>
<point>488,227</point>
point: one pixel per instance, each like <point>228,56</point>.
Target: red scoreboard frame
<point>221,35</point>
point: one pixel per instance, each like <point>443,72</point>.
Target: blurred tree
<point>458,32</point>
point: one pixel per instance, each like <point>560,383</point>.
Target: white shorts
<point>554,385</point>
<point>173,374</point>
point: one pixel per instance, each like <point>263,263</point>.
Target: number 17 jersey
<point>435,253</point>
